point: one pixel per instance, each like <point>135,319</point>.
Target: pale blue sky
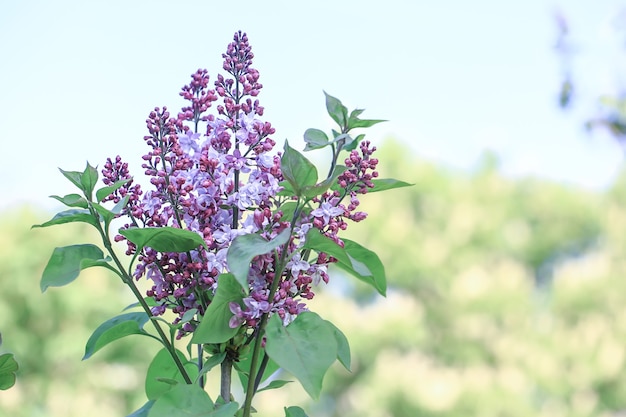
<point>77,78</point>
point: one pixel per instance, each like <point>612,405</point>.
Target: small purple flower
<point>237,162</point>
<point>189,144</point>
<point>326,211</point>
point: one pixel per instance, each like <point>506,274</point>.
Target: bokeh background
<point>506,260</point>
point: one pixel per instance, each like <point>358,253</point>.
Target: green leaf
<point>294,349</point>
<point>88,180</point>
<point>188,316</point>
<point>353,124</point>
<point>143,411</point>
<point>72,200</point>
<point>214,326</point>
<point>315,139</point>
<point>245,247</point>
<point>287,190</point>
<point>336,110</point>
<point>383,184</point>
<point>104,192</point>
<point>319,189</point>
<point>8,369</point>
<point>70,216</point>
<point>164,239</point>
<point>116,328</point>
<point>353,258</point>
<point>318,242</point>
<point>106,214</point>
<point>360,255</point>
<point>66,263</point>
<point>225,410</point>
<point>182,400</point>
<point>163,370</point>
<point>354,114</point>
<point>74,177</point>
<point>149,300</point>
<point>297,170</point>
<point>294,411</point>
<point>211,363</point>
<point>117,209</point>
<point>277,383</point>
<point>288,209</point>
<point>354,143</point>
<point>343,347</point>
<point>190,401</point>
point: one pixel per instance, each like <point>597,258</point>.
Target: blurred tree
<point>460,333</point>
<point>610,113</point>
<point>47,332</point>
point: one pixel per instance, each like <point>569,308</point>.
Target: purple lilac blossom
<point>214,174</point>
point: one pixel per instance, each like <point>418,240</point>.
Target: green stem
<point>252,377</point>
<point>201,380</point>
<point>226,370</point>
<point>128,280</point>
<point>226,367</point>
<point>259,375</point>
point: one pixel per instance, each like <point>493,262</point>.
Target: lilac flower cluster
<point>214,174</point>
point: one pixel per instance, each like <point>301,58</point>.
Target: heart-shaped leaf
<point>214,327</point>
<point>306,348</point>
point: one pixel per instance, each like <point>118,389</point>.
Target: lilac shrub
<point>233,237</point>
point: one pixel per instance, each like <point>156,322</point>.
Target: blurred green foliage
<point>506,298</point>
